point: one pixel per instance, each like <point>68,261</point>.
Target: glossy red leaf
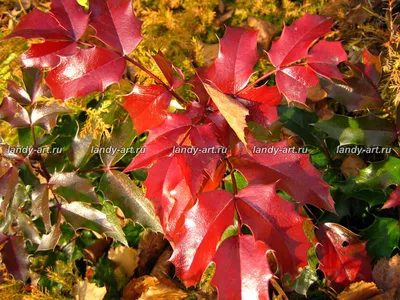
<point>296,175</point>
<point>47,55</point>
<point>147,106</point>
<point>89,70</point>
<point>196,242</point>
<point>264,94</point>
<point>342,256</point>
<point>71,16</point>
<point>372,66</point>
<point>297,38</point>
<point>276,222</point>
<point>394,199</point>
<point>169,193</point>
<point>294,81</point>
<point>244,261</point>
<point>324,58</point>
<point>237,56</point>
<point>115,24</point>
<point>167,68</point>
<point>15,258</point>
<point>14,114</point>
<point>263,114</point>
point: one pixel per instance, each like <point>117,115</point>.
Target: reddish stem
<point>251,85</point>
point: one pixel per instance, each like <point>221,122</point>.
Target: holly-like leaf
<point>394,199</point>
<point>8,183</point>
<point>264,94</point>
<point>383,236</point>
<point>73,187</point>
<point>115,24</point>
<point>83,216</point>
<point>297,38</point>
<point>122,192</point>
<point>49,241</point>
<point>372,66</point>
<point>324,58</point>
<point>47,54</point>
<point>195,244</point>
<point>276,222</point>
<point>14,114</point>
<point>368,130</point>
<point>296,175</point>
<point>233,112</point>
<point>237,56</point>
<point>14,256</point>
<point>342,256</point>
<point>294,81</point>
<point>46,115</point>
<point>33,87</point>
<point>246,263</point>
<point>89,70</point>
<point>147,106</point>
<point>28,228</point>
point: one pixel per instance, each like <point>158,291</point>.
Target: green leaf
<point>122,191</point>
<point>383,236</point>
<point>81,149</point>
<point>83,215</point>
<point>121,137</point>
<point>132,233</point>
<point>20,196</point>
<point>49,241</point>
<point>40,204</point>
<point>368,130</point>
<point>306,278</point>
<point>241,182</point>
<point>28,228</point>
<point>299,121</point>
<point>73,187</point>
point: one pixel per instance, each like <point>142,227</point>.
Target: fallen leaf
<point>84,290</point>
<point>386,273</point>
<point>266,31</point>
<point>125,259</point>
<point>359,291</point>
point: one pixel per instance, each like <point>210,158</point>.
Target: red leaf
<point>15,258</point>
<point>89,70</point>
<point>116,24</point>
<point>276,222</point>
<point>342,256</point>
<point>8,181</point>
<point>394,199</point>
<point>263,114</point>
<point>244,262</point>
<point>14,114</point>
<point>296,175</point>
<point>47,55</point>
<point>197,240</point>
<point>324,58</point>
<point>71,16</point>
<point>66,21</point>
<point>167,189</point>
<point>372,66</point>
<point>237,56</point>
<point>167,68</point>
<point>264,94</point>
<point>147,106</point>
<point>295,40</point>
<point>294,81</point>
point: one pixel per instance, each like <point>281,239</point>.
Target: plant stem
<point>278,288</point>
<point>148,72</point>
<point>251,85</point>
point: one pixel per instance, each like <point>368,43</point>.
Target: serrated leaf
<point>83,215</point>
<point>19,197</point>
<point>14,114</point>
<point>40,204</point>
<point>50,241</point>
<point>394,199</point>
<point>89,70</point>
<point>115,24</point>
<point>46,115</point>
<point>122,191</point>
<point>28,228</point>
<point>233,112</point>
<point>342,255</point>
<point>244,259</point>
<point>8,183</point>
<point>82,149</point>
<point>382,237</point>
<point>368,130</point>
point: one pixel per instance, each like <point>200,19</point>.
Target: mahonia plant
<point>206,171</point>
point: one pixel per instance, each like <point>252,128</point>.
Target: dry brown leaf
<point>323,110</point>
<point>389,295</point>
<point>359,291</point>
<point>386,273</point>
<point>84,290</point>
<point>163,266</point>
<point>125,259</point>
<point>316,93</point>
<point>266,31</point>
<point>351,166</point>
<point>151,246</point>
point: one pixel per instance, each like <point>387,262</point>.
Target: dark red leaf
<point>47,55</point>
<point>15,258</point>
<point>167,68</point>
<point>324,58</point>
<point>297,38</point>
<point>116,24</point>
<point>372,66</point>
<point>276,222</point>
<point>7,185</point>
<point>342,256</point>
<point>89,70</point>
<point>46,115</point>
<point>294,81</point>
<point>147,106</point>
<point>264,94</point>
<point>237,56</point>
<point>263,114</point>
<point>196,242</point>
<point>394,199</point>
<point>242,270</point>
<point>14,114</point>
